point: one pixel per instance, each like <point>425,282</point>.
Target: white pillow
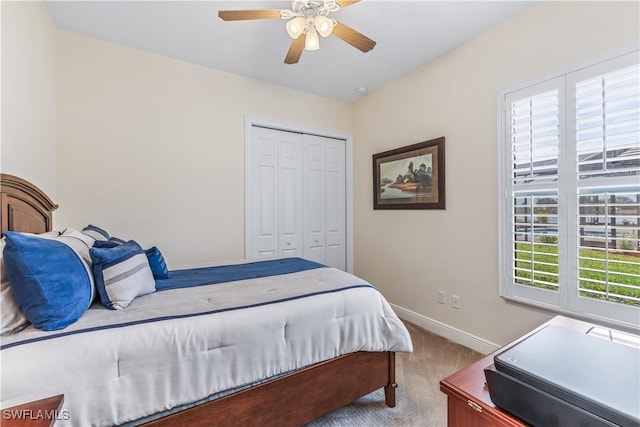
<point>83,237</point>
<point>11,316</point>
<point>80,243</point>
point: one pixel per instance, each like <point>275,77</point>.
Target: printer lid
<point>593,373</point>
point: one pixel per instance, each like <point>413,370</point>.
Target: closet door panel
<point>335,210</point>
<point>314,214</point>
<point>264,207</point>
<point>290,190</point>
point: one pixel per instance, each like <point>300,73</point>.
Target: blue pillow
<point>49,280</point>
<point>105,244</point>
<point>157,263</point>
<point>111,243</point>
<point>121,274</point>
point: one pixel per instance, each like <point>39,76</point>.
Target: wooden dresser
<point>468,401</point>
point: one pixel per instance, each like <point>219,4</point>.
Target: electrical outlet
<point>442,296</point>
<point>455,301</point>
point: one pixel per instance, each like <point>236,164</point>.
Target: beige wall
<point>152,148</point>
<point>410,255</point>
<point>28,147</point>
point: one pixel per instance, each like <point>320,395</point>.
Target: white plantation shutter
<point>607,125</point>
<point>534,138</point>
<point>604,105</point>
<point>535,254</point>
<point>607,229</point>
<point>570,217</point>
<point>534,126</point>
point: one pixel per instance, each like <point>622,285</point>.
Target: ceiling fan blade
<point>353,37</point>
<point>295,50</point>
<point>345,3</point>
<point>241,15</point>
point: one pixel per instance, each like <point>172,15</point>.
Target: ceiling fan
<point>307,19</point>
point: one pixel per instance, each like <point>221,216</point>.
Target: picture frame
<point>411,177</point>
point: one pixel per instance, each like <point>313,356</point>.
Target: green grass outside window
<point>545,266</point>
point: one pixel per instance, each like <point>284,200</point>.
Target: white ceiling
<point>408,34</point>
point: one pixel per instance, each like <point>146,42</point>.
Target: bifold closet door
<point>335,204</point>
<point>276,211</point>
<point>324,201</point>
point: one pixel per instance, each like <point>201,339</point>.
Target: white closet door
<point>264,198</point>
<point>314,193</point>
<point>324,196</point>
<point>290,189</point>
<point>296,196</point>
<point>335,209</point>
<point>276,190</point>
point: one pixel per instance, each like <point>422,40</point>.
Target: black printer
<point>559,377</point>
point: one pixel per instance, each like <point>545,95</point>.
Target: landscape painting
<point>410,177</point>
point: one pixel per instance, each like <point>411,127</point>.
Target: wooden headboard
<point>25,207</point>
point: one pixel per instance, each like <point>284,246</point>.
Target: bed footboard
<point>297,398</point>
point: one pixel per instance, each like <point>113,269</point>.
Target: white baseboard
<point>449,332</point>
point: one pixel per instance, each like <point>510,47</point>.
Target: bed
<point>173,357</point>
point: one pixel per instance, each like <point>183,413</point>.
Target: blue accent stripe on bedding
<point>230,273</point>
<point>180,316</point>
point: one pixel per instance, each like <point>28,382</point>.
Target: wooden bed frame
<point>290,400</point>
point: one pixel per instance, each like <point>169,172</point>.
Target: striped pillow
<point>84,238</point>
<point>121,274</point>
<point>96,232</point>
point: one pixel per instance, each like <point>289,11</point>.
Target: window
<point>570,176</point>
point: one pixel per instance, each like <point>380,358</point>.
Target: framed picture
<point>410,177</point>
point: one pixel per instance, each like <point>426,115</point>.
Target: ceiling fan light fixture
<point>307,18</point>
<point>324,25</point>
<point>312,42</point>
<point>296,26</point>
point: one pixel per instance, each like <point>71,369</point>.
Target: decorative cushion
<point>11,317</point>
<point>50,281</point>
<point>111,243</point>
<point>86,239</point>
<point>121,273</point>
<point>157,263</point>
<point>96,232</point>
<point>47,234</point>
<point>80,243</point>
<point>101,244</point>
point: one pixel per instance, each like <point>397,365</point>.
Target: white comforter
<point>132,370</point>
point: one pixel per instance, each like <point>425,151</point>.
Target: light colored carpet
<point>419,401</point>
